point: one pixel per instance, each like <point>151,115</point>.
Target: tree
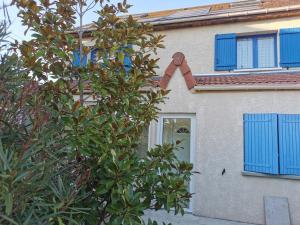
<point>94,147</point>
<point>35,172</point>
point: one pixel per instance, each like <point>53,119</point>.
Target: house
<point>234,74</point>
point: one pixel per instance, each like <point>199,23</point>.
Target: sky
<point>139,6</point>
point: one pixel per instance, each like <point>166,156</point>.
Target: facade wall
<point>219,145</point>
<point>198,44</point>
<point>219,126</point>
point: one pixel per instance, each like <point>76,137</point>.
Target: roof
<point>236,11</point>
<point>253,79</point>
<point>270,78</point>
<point>215,9</point>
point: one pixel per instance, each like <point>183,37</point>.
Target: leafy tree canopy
<point>64,161</point>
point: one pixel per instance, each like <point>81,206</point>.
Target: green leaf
<point>60,222</point>
<point>28,219</point>
<point>8,203</point>
<point>9,219</point>
<point>20,177</point>
<point>3,157</point>
<point>121,56</point>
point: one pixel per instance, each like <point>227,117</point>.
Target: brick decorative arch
<point>178,61</point>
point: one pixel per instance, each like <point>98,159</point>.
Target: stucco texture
<point>198,43</point>
<point>219,145</point>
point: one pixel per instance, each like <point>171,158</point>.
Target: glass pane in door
<point>178,129</point>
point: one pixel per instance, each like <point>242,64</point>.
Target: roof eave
<point>246,16</point>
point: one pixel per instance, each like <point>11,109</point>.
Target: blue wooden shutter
<point>127,61</point>
<point>94,55</point>
<point>261,143</point>
<point>225,52</point>
<point>290,47</point>
<point>76,59</point>
<point>289,144</point>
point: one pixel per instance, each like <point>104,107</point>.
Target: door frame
<point>192,117</point>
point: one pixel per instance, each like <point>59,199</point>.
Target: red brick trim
<point>178,61</point>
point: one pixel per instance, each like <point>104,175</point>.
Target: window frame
<point>255,38</point>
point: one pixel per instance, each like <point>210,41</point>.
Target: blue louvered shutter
<point>261,143</point>
<point>289,144</point>
<point>94,55</point>
<point>76,59</point>
<point>290,47</point>
<point>225,52</point>
<point>127,61</point>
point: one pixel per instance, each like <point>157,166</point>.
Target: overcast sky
<point>139,6</point>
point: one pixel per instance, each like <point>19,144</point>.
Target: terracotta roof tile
<point>253,79</point>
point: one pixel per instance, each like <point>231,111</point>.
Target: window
<point>266,56</point>
<point>272,143</point>
<point>233,51</point>
<point>93,57</point>
<point>244,53</point>
<point>257,52</point>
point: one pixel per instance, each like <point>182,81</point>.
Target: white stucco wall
<point>198,43</point>
<point>219,145</point>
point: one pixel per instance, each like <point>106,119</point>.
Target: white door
<point>179,128</point>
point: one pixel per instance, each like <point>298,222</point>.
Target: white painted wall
<point>198,43</point>
<point>219,145</point>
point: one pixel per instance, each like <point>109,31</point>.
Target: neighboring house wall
<point>198,43</point>
<point>219,145</point>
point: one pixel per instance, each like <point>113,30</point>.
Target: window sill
<point>258,69</point>
<point>253,174</point>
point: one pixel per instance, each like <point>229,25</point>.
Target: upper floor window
<point>257,52</point>
<point>93,58</point>
<point>233,51</point>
